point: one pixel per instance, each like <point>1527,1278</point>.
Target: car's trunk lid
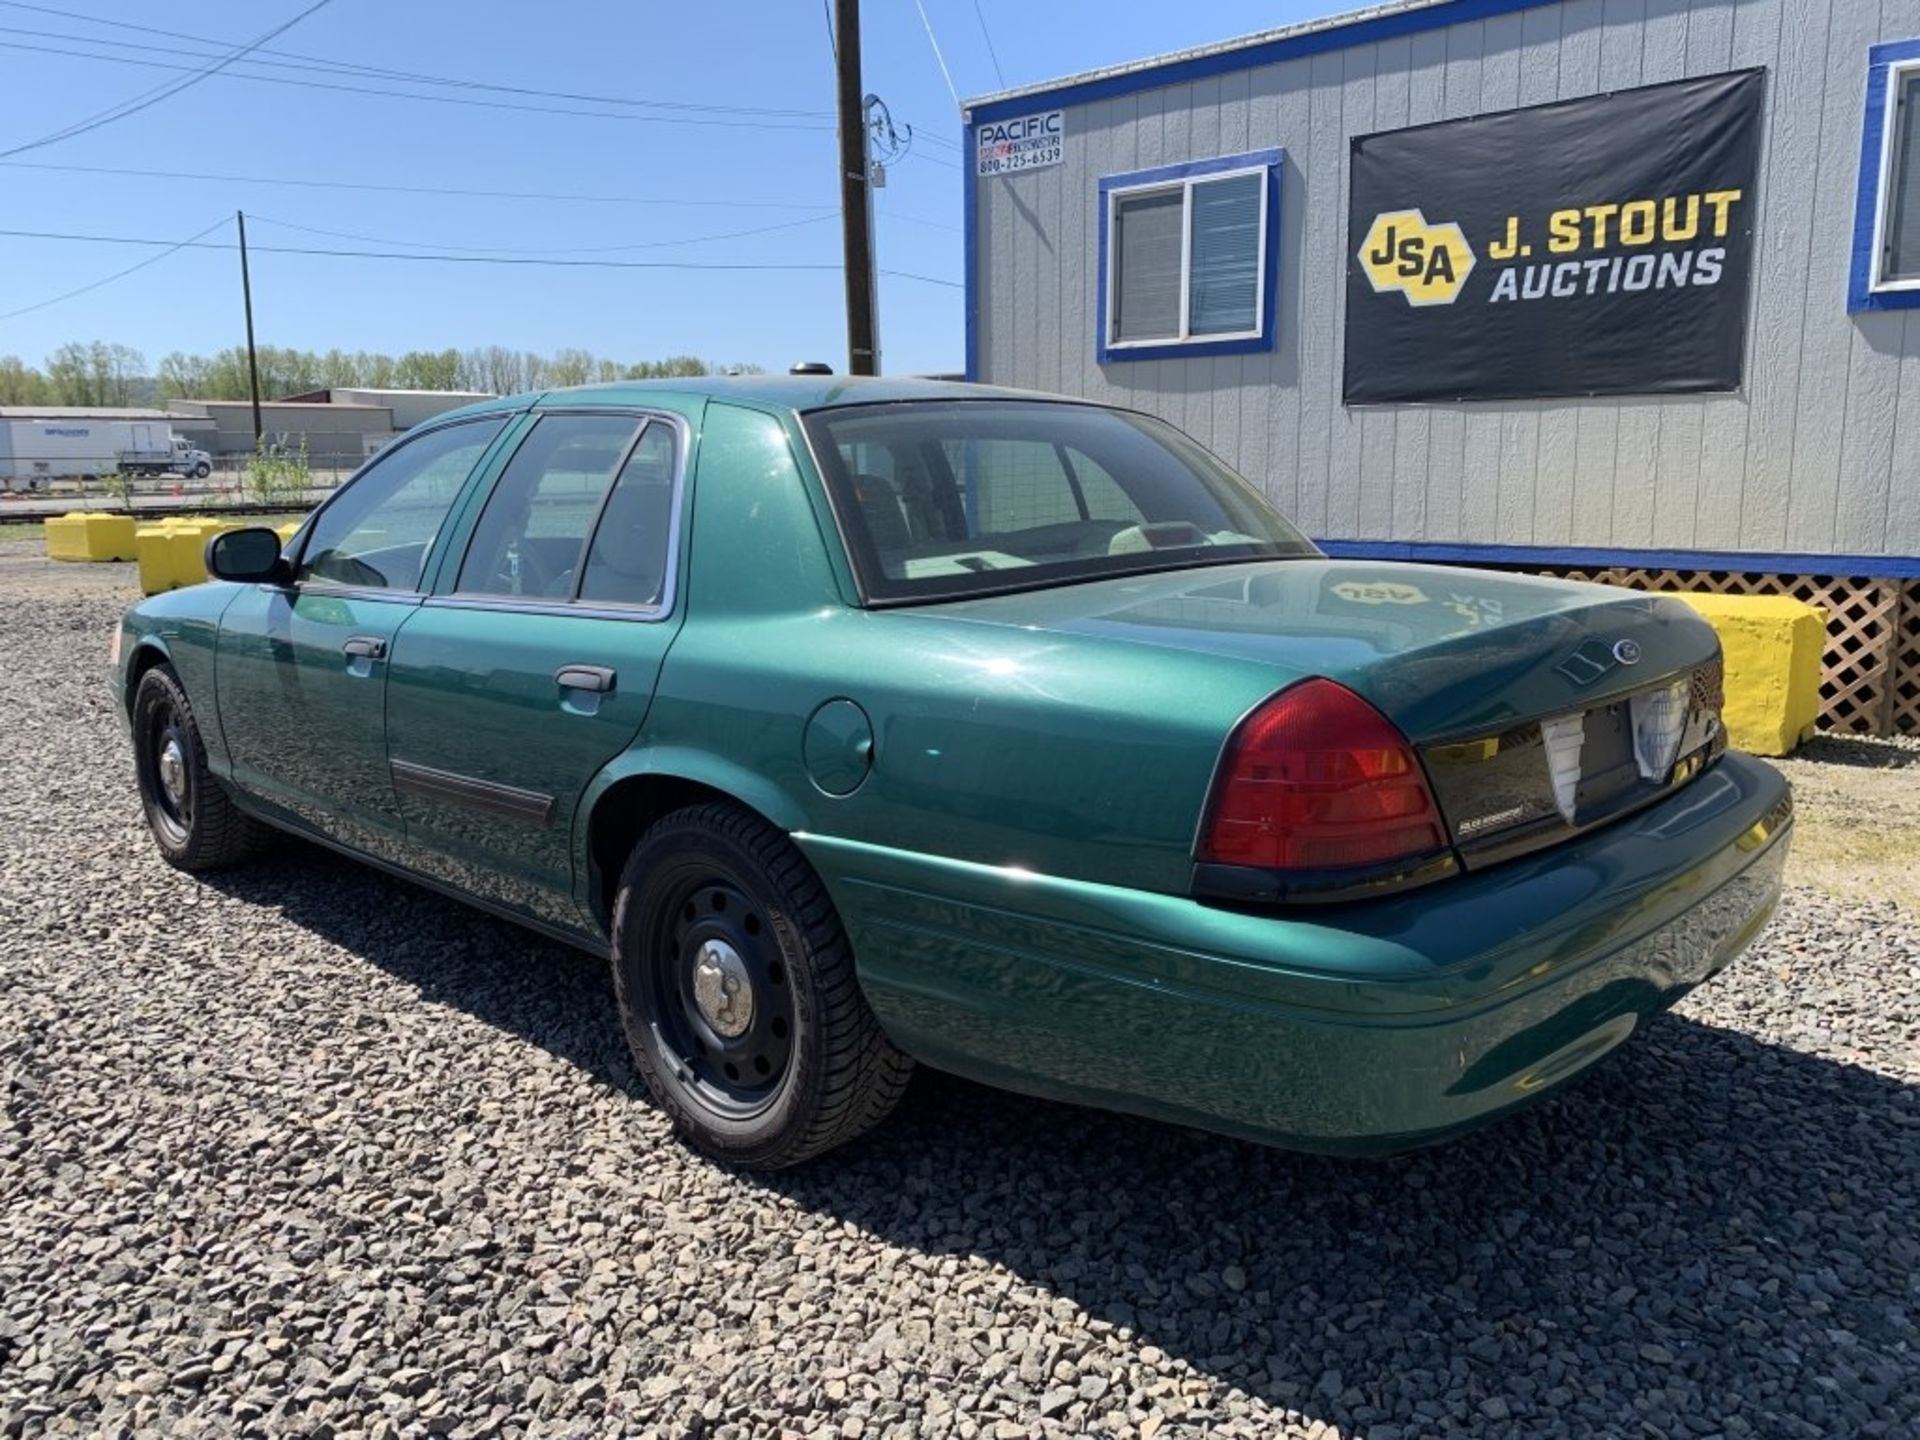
<point>1540,707</point>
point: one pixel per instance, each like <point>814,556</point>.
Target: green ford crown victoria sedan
<point>867,722</point>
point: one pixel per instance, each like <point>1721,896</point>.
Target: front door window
<point>376,534</point>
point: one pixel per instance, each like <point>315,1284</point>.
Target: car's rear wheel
<point>736,986</point>
<point>194,821</point>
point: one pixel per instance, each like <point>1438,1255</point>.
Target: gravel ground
<point>304,1151</point>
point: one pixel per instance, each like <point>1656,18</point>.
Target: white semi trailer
<point>35,453</point>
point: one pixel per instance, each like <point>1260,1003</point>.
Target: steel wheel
<point>738,994</point>
<point>167,771</point>
<point>721,994</point>
<point>193,818</point>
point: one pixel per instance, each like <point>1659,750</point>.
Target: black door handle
<point>372,647</point>
<point>597,678</point>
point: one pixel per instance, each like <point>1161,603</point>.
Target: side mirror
<point>251,555</point>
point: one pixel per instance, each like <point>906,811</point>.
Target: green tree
<point>428,370</point>
<point>70,375</point>
<point>570,367</point>
<point>103,373</point>
<point>21,384</point>
<point>183,377</point>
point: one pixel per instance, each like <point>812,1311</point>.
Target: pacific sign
<point>1028,142</point>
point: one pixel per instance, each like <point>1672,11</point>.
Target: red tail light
<point>1317,779</point>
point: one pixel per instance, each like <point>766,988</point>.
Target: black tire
<point>202,470</point>
<point>811,1069</point>
<point>194,821</point>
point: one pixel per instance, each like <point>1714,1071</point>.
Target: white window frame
<point>1184,188</point>
<point>1898,73</point>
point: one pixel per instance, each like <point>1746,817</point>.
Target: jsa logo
<point>1426,263</point>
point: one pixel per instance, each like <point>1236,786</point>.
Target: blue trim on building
<point>1763,562</point>
<point>1860,292</point>
<point>969,249</point>
<point>1362,30</point>
<point>1274,160</point>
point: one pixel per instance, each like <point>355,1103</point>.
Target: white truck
<point>35,453</point>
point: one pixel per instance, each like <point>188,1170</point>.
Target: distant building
<point>409,407</point>
<point>337,437</point>
<point>341,426</point>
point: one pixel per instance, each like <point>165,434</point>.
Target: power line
<point>118,274</point>
<point>933,40</point>
<point>150,98</point>
<point>520,260</point>
<point>308,183</point>
<point>314,64</point>
<point>382,72</point>
<point>987,35</point>
<point>401,95</point>
<point>556,250</point>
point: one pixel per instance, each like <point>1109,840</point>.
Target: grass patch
<point>1857,818</point>
<point>19,529</point>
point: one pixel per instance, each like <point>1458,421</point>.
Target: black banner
<point>1598,246</point>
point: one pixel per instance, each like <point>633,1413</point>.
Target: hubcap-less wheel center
<point>722,989</point>
<point>173,771</point>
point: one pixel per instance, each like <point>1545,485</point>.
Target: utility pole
<point>856,197</point>
<point>246,293</point>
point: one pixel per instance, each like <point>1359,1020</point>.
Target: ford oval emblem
<point>1627,652</point>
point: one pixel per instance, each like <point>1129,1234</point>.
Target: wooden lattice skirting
<point>1870,674</point>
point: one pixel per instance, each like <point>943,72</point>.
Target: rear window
<point>941,499</point>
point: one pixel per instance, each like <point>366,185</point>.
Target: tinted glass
<point>627,564</point>
<point>979,496</point>
<point>1224,285</point>
<point>1902,260</point>
<point>537,519</point>
<point>376,532</point>
<point>1146,261</point>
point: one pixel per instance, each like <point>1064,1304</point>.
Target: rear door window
<point>628,560</point>
<point>534,530</point>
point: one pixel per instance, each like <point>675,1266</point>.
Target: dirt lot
<point>301,1150</point>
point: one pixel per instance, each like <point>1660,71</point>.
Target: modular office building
<point>1612,287</point>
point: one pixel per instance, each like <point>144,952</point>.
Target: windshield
<point>939,499</point>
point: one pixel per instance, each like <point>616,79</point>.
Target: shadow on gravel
<point>1867,754</point>
<point>1709,1226</point>
<point>454,955</point>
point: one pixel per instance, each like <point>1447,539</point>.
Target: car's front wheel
<point>194,821</point>
<point>736,986</point>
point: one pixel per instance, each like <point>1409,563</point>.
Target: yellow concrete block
<point>152,549</point>
<point>1772,645</point>
<point>173,552</point>
<point>82,536</point>
<point>190,536</point>
<point>186,546</point>
<point>287,531</point>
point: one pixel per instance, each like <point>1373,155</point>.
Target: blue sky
<point>747,173</point>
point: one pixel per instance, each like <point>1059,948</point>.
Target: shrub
<point>276,475</point>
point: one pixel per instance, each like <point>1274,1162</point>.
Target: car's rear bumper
<point>1363,1027</point>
